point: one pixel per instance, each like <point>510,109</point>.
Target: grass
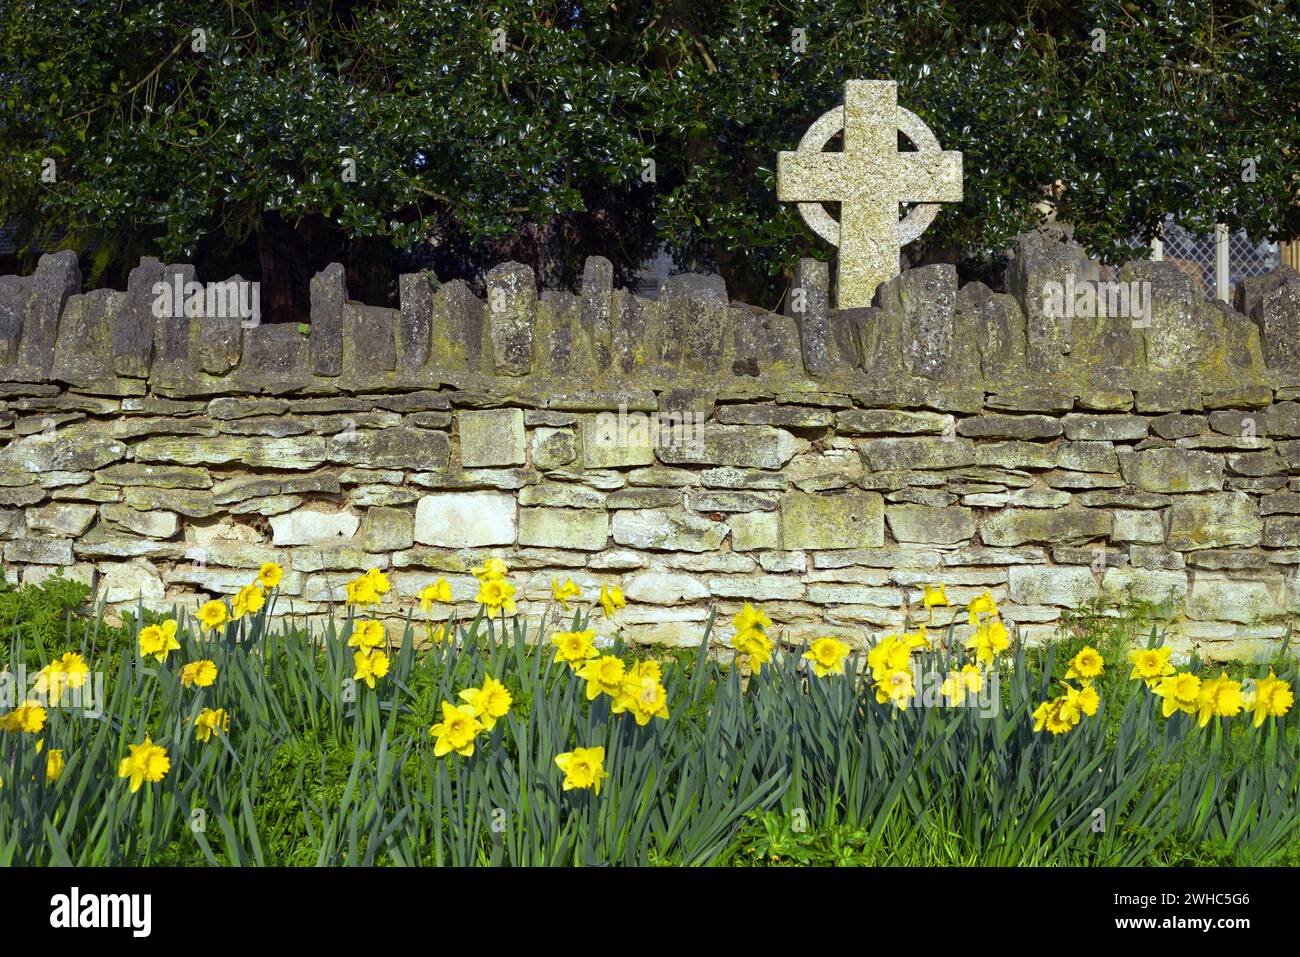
<point>774,769</point>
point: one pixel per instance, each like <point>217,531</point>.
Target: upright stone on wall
<point>512,309</point>
<point>415,324</point>
<point>57,277</point>
<point>133,334</point>
<point>329,293</point>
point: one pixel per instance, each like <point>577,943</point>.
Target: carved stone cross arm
<point>869,179</point>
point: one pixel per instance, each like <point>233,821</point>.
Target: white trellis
<point>1221,259</point>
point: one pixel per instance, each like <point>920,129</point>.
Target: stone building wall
<point>841,460</point>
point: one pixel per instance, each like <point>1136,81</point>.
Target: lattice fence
<point>1195,254</point>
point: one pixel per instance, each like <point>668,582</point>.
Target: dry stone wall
<point>697,452</point>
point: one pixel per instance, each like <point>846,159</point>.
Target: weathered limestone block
<point>850,520</point>
<point>918,453</point>
<point>688,329</point>
<point>153,523</point>
<point>563,495</point>
<point>923,523</point>
<point>1110,428</point>
<point>1042,258</point>
<point>932,344</point>
<point>1015,526</point>
<point>744,446</point>
<point>1278,318</point>
<point>1160,587</point>
<point>369,340</point>
<point>783,416</point>
<point>1280,531</point>
<point>1061,586</point>
<point>1138,525</point>
<point>491,437</point>
<point>275,358</point>
<point>998,327</point>
<point>892,422</point>
<point>313,525</point>
<point>57,277</point>
<point>1087,457</point>
<point>511,312</point>
<point>77,448</point>
<point>664,588</point>
<point>466,519</point>
<point>761,347</point>
<point>553,448</point>
<point>1249,292</point>
<point>133,581</point>
<point>14,291</point>
<point>38,550</point>
<point>809,304</point>
<point>193,503</point>
<point>581,529</point>
<point>398,448</point>
<point>415,320</point>
<point>65,519</point>
<point>1175,470</point>
<point>387,529</point>
<point>1212,598</point>
<point>612,440</point>
<point>1219,520</point>
<point>329,295</point>
<point>297,452</point>
<point>1016,455</point>
<point>83,349</point>
<point>754,531</point>
<point>1011,427</point>
<point>667,529</point>
<point>596,312</point>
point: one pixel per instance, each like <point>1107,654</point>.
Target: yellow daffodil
<point>754,643</point>
<point>642,693</point>
<point>969,680</point>
<point>199,674</point>
<point>213,614</point>
<point>932,597</point>
<point>897,687</point>
<point>28,718</point>
<point>750,617</point>
<point>247,601</point>
<point>1087,664</point>
<point>159,641</point>
<point>456,730</point>
<point>54,764</point>
<point>368,589</point>
<point>1273,698</point>
<point>562,593</point>
<point>62,674</point>
<point>370,666</point>
<point>367,635</point>
<point>888,655</point>
<point>496,595</point>
<point>270,575</point>
<point>440,633</point>
<point>491,570</point>
<point>916,639</point>
<point>583,768</point>
<point>1219,698</point>
<point>491,702</point>
<point>604,675</point>
<point>1057,716</point>
<point>439,591</point>
<point>1083,700</point>
<point>1151,664</point>
<point>147,762</point>
<point>981,607</point>
<point>989,639</point>
<point>574,646</point>
<point>611,600</point>
<point>210,720</point>
<point>1181,692</point>
<point>827,656</point>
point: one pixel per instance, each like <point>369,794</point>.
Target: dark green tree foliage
<point>234,155</point>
